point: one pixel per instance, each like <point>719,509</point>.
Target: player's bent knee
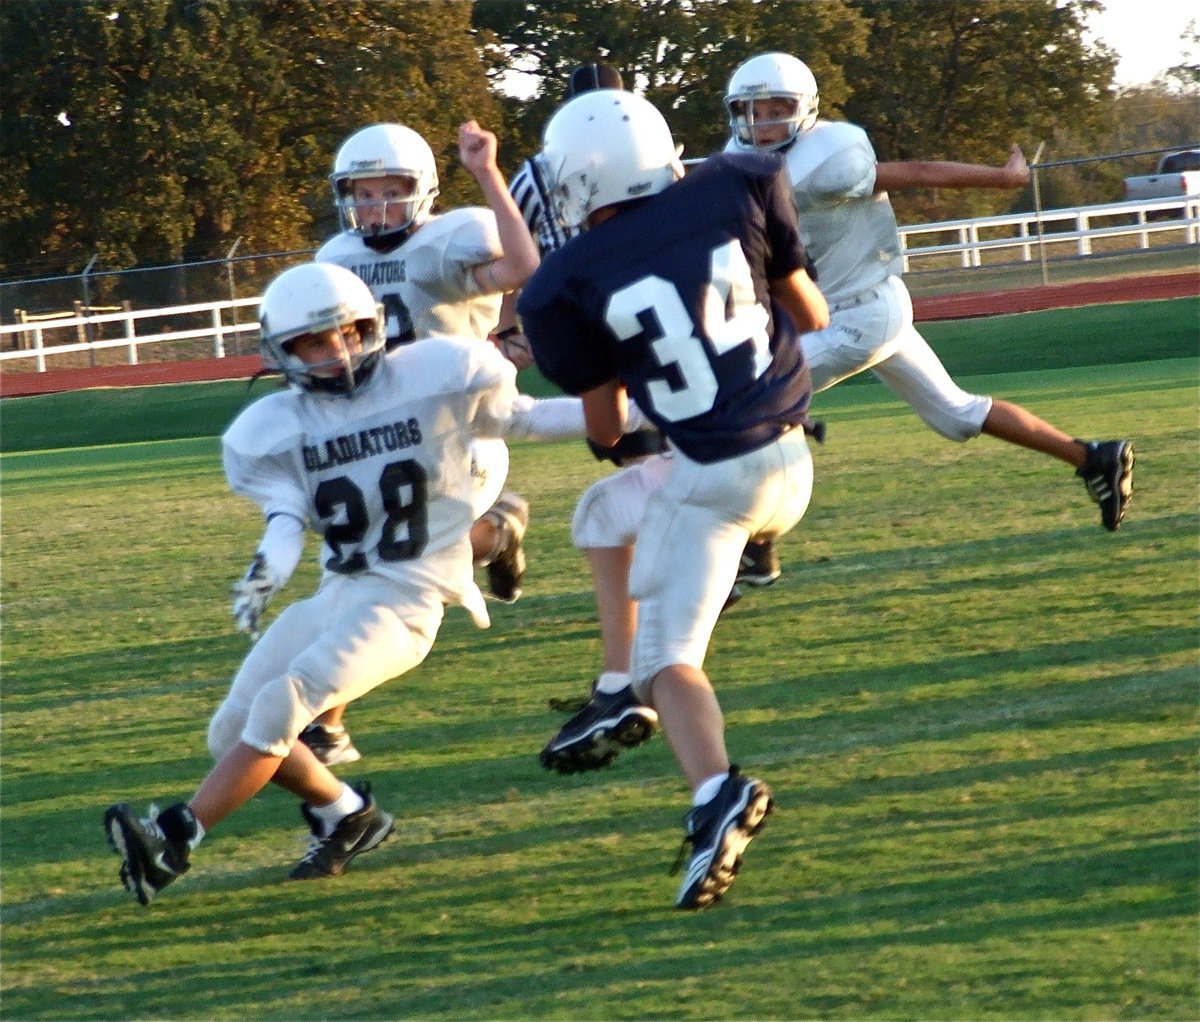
<point>225,729</point>
<point>961,423</point>
<point>281,710</point>
<point>602,518</point>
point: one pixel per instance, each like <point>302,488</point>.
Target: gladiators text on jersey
<point>350,447</point>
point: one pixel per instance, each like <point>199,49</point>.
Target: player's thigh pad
<point>268,659</point>
<point>689,547</point>
<point>610,511</point>
<point>862,331</point>
<point>489,473</point>
<point>368,631</point>
<point>916,375</point>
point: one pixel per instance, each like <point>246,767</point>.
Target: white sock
<point>349,801</point>
<point>612,681</point>
<point>708,788</point>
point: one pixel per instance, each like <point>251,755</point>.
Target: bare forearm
<point>520,257</point>
<point>896,176</point>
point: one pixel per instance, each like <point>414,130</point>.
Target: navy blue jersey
<point>671,297</point>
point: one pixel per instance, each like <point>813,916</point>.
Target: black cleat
<point>331,745</point>
<point>719,832</point>
<point>154,849</point>
<point>760,563</point>
<point>506,568</point>
<point>329,855</point>
<point>592,738</point>
<point>1108,476</point>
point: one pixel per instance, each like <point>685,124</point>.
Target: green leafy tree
<point>956,79</point>
<point>679,54</point>
<point>963,79</point>
<point>151,133</point>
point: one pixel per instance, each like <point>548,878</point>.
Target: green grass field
<point>977,709</point>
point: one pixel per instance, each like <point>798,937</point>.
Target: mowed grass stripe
<point>976,708</point>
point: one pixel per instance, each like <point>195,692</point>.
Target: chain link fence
<point>96,291</point>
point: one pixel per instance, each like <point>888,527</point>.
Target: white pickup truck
<point>1178,174</point>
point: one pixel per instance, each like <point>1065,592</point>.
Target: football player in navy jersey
<point>687,296</point>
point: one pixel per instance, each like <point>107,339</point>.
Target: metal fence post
<point>237,337</point>
<point>87,308</point>
<point>1037,209</point>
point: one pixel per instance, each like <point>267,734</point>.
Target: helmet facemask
<point>771,80</point>
<point>356,356</point>
<point>383,208</point>
<point>322,329</point>
<point>748,128</point>
<point>395,167</point>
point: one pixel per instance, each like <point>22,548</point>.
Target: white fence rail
<point>1028,235</point>
<point>210,318</point>
<point>1075,229</point>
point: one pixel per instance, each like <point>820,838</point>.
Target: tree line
<point>151,132</point>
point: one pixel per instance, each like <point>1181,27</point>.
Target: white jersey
<point>425,284</point>
<point>848,229</point>
<point>385,476</point>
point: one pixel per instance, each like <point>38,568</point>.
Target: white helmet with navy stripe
<point>384,150</point>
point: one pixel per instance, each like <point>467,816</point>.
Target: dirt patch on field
<point>938,307</point>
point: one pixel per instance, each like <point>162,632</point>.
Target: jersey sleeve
<point>786,252</point>
<point>568,349</point>
<point>258,454</point>
<point>524,191</point>
<point>471,239</point>
<point>491,391</point>
<point>848,169</point>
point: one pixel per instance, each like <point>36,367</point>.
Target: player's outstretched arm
<point>900,175</point>
<point>477,150</point>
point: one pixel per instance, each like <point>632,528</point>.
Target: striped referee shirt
<point>530,190</point>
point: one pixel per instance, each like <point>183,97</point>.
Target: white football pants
<point>690,542</point>
<point>349,637</point>
<point>874,330</point>
<point>489,472</point>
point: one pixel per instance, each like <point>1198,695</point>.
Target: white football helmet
<point>384,150</point>
<point>606,146</point>
<point>770,76</point>
<point>309,299</point>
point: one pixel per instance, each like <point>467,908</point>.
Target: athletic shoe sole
<point>600,748</point>
<point>749,815</point>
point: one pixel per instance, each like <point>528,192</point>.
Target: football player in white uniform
<point>435,274</point>
<point>373,454</point>
<point>848,227</point>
